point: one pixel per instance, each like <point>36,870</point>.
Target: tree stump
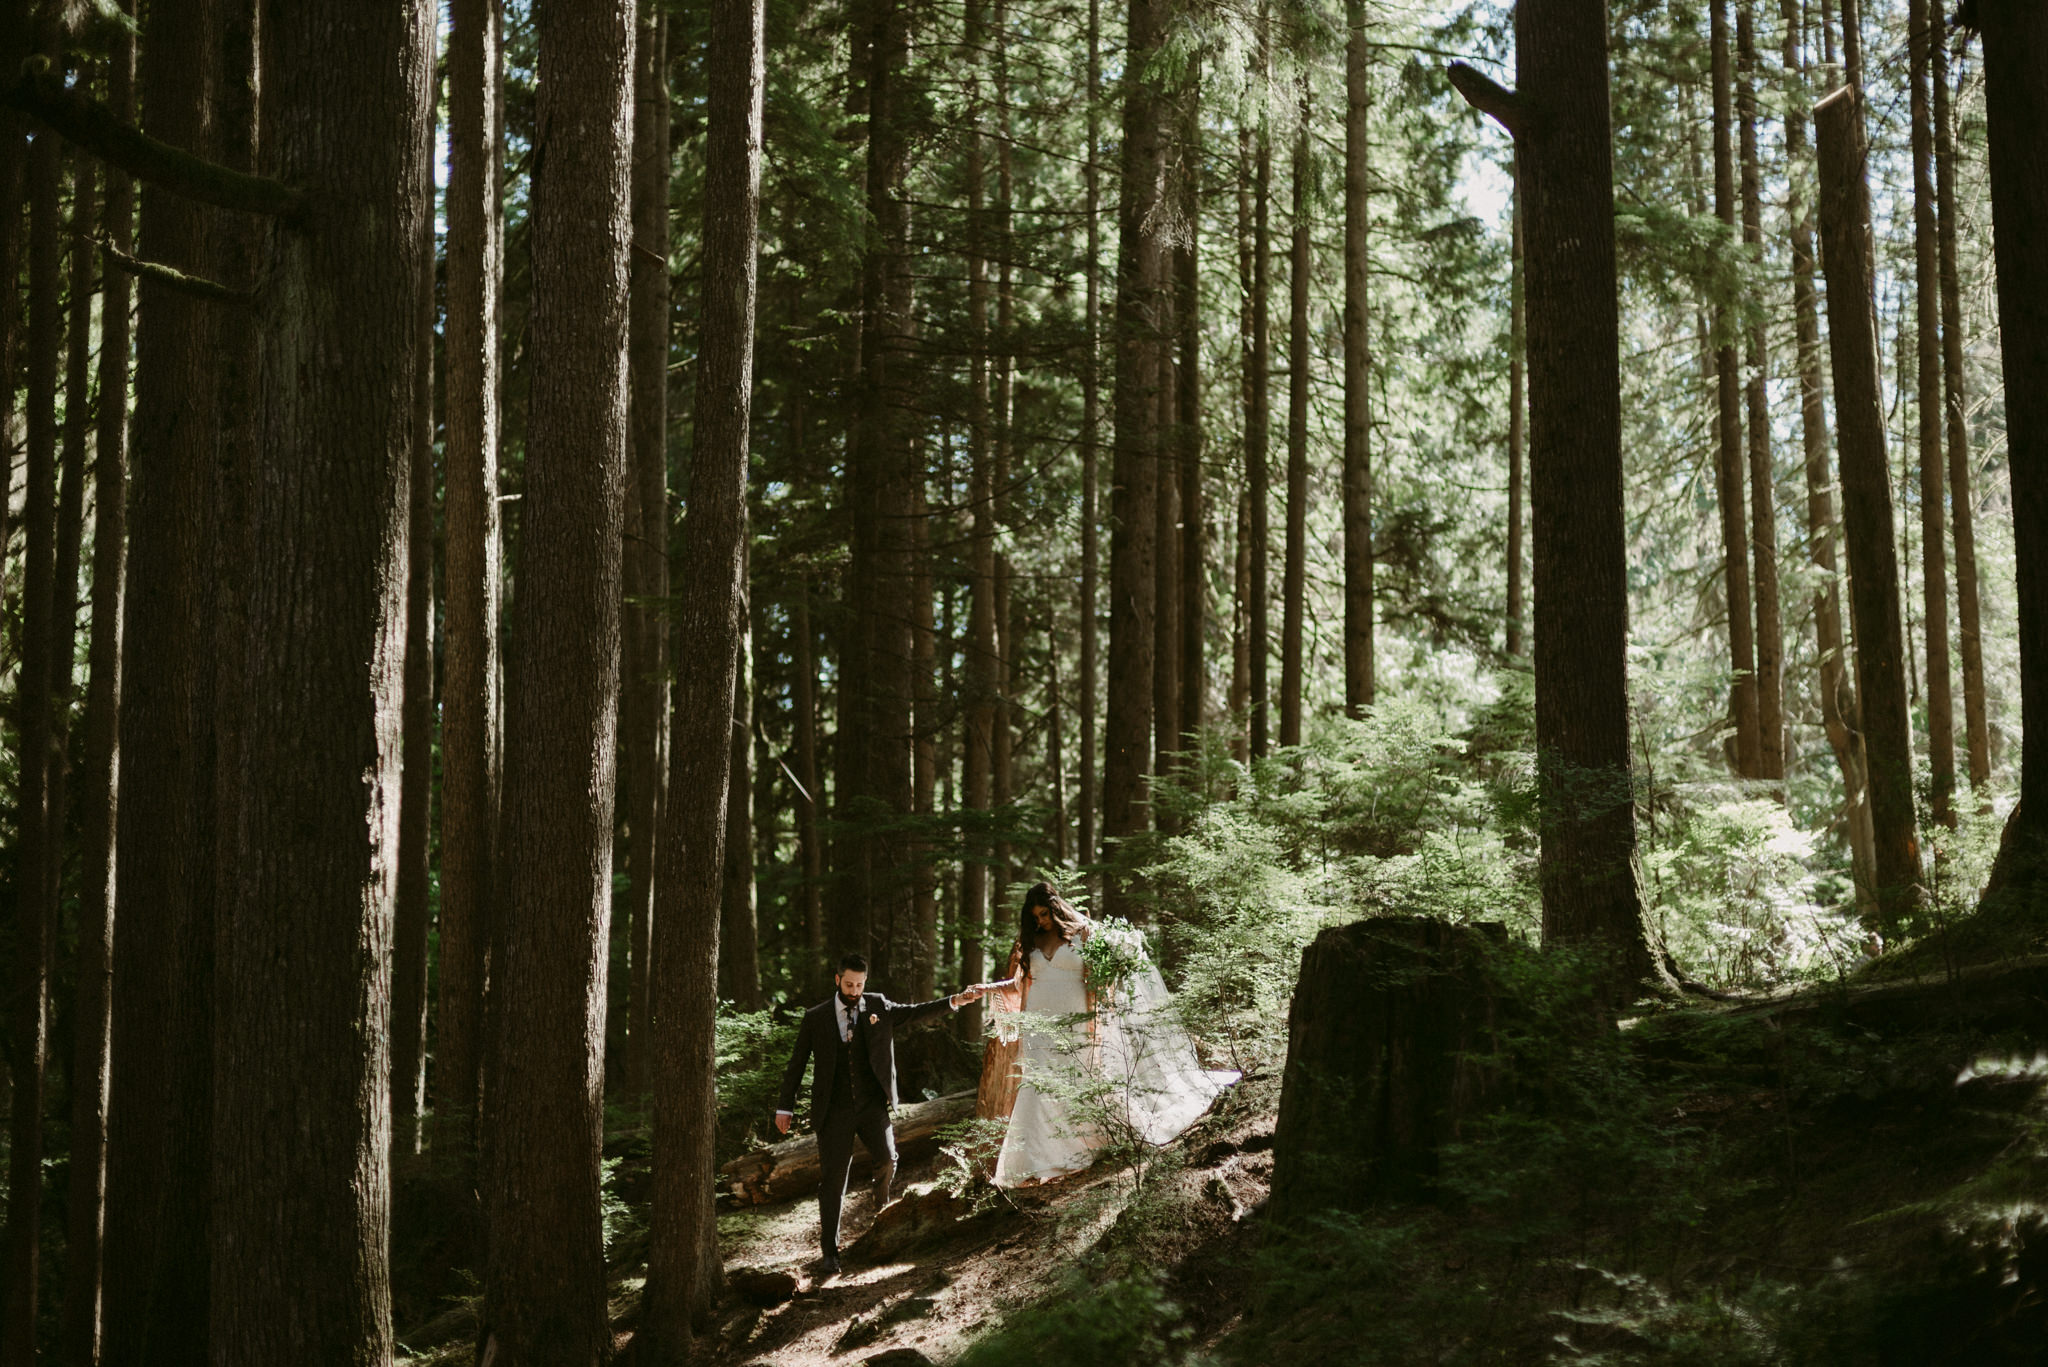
<point>1386,1042</point>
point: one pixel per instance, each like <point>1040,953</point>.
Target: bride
<point>1111,1049</point>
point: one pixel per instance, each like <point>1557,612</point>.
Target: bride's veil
<point>1144,1046</point>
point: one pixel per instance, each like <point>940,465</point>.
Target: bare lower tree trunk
<point>469,690</point>
<point>91,1013</point>
<point>1240,630</point>
<point>2016,108</point>
<point>1294,576</point>
<point>1941,721</point>
<point>924,892</point>
<point>643,684</point>
<point>160,1105</point>
<point>1166,590</point>
<point>1867,505</point>
<point>1358,558</point>
<point>544,1294</point>
<point>300,1231</point>
<point>682,1268</point>
<point>1728,470</point>
<point>978,739</point>
<point>804,702</point>
<point>1969,636</point>
<point>1564,152</point>
<point>416,796</point>
<point>1837,689</point>
<point>1763,501</point>
<point>41,829</point>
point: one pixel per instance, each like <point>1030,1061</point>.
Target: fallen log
<point>787,1170</point>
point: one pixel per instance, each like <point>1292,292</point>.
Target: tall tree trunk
<point>471,557</point>
<point>1003,779</point>
<point>1867,504</point>
<point>1763,499</point>
<point>41,829</point>
<point>1258,400</point>
<point>1518,365</point>
<point>1091,459</point>
<point>1564,153</point>
<point>2016,109</point>
<point>416,796</point>
<point>544,1295</point>
<point>1240,629</point>
<point>1358,559</point>
<point>683,1278</point>
<point>643,685</point>
<point>1728,470</point>
<point>1838,709</point>
<point>1194,508</point>
<point>978,744</point>
<point>160,1105</point>
<point>1969,639</point>
<point>91,1012</point>
<point>804,702</point>
<point>875,692</point>
<point>1941,718</point>
<point>1134,478</point>
<point>300,1231</point>
<point>1166,588</point>
<point>924,894</point>
<point>739,937</point>
<point>1294,576</point>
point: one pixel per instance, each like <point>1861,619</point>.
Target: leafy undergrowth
<point>1713,1185</point>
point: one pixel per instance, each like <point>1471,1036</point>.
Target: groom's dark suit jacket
<point>874,1030</point>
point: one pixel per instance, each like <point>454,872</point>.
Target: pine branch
<point>39,91</point>
<point>172,278</point>
<point>1488,96</point>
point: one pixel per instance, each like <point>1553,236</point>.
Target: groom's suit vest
<point>853,1076</point>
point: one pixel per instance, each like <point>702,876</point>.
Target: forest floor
<point>1817,1178</point>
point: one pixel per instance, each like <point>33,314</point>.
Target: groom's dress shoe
<point>828,1266</point>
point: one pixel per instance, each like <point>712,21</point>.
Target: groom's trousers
<point>844,1123</point>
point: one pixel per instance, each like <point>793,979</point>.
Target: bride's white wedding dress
<point>1156,1085</point>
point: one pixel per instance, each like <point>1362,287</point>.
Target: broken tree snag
<point>1488,96</point>
<point>38,90</point>
<point>790,1169</point>
<point>1390,1022</point>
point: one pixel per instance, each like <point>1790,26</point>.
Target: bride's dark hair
<point>1070,923</point>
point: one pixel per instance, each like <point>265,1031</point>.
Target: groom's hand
<point>967,996</point>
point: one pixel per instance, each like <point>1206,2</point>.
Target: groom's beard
<point>850,1003</point>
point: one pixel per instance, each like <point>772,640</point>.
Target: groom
<point>852,1035</point>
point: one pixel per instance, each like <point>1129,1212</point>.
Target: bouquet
<point>1114,954</point>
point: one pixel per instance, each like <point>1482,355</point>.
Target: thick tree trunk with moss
<point>683,1279</point>
<point>2015,34</point>
<point>300,1231</point>
<point>1867,505</point>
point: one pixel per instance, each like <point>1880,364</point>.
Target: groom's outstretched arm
<point>903,1013</point>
